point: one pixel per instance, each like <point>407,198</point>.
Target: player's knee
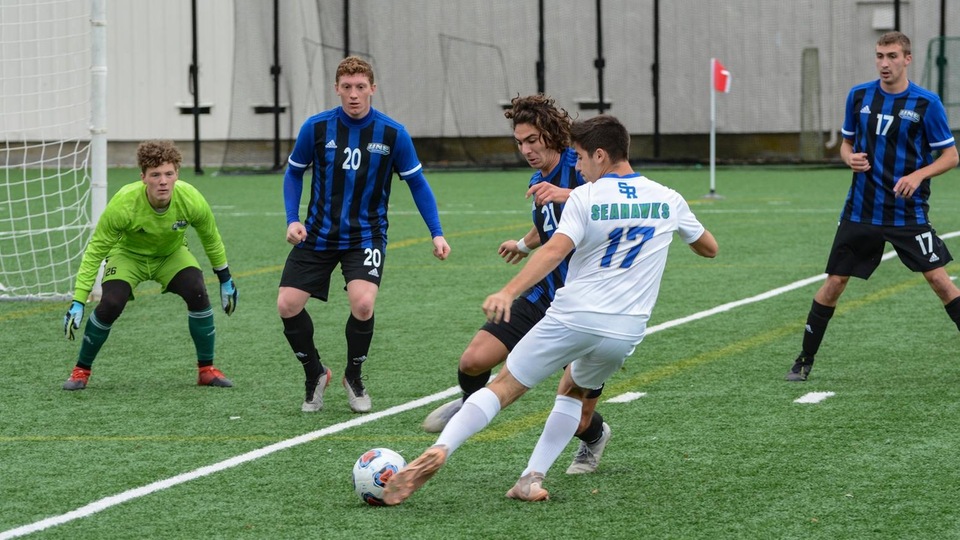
<point>362,309</point>
<point>110,308</point>
<point>829,294</point>
<point>475,362</point>
<point>286,307</point>
<point>194,293</point>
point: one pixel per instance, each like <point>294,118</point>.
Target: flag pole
<point>713,132</point>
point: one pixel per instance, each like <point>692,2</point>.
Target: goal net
<point>45,63</point>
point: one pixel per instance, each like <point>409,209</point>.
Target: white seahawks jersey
<point>621,227</point>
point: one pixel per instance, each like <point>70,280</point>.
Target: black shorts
<point>310,270</point>
<point>524,315</point>
<point>858,248</point>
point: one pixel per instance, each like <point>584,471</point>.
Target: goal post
<point>52,142</point>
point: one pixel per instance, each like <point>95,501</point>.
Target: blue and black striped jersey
<point>353,165</point>
<point>898,132</point>
<point>546,218</point>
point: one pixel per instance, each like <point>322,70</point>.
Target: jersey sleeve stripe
<point>414,170</point>
<point>942,144</point>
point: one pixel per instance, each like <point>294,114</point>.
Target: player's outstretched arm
<point>497,305</point>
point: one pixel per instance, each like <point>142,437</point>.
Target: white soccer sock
<point>560,427</point>
<point>476,413</point>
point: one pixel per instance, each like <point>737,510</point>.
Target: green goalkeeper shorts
<point>135,269</point>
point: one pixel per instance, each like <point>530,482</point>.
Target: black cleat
<point>801,369</point>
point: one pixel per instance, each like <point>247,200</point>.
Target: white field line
<point>142,491</point>
<point>814,397</point>
<point>626,397</point>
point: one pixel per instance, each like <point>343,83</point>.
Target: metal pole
<point>98,110</point>
<point>541,61</point>
<point>713,132</point>
<point>195,90</point>
<point>599,62</point>
<point>655,68</point>
<point>941,54</point>
<point>98,123</point>
<point>275,70</point>
<point>346,27</point>
<point>896,15</point>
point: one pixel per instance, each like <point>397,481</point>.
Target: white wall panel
<point>148,59</point>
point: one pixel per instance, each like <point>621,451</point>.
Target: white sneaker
<point>314,403</point>
<point>438,419</point>
<point>357,395</point>
<point>588,455</point>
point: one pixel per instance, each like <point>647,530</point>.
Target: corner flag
<point>719,82</point>
<point>720,76</point>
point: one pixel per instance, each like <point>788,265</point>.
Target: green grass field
<point>716,448</point>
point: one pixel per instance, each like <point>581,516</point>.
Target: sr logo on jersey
<point>628,190</point>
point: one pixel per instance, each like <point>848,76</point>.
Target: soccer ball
<point>372,472</point>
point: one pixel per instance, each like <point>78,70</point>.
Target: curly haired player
<point>541,130</point>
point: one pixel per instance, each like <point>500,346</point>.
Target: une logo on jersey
<point>180,224</point>
<point>912,116</point>
<point>378,148</point>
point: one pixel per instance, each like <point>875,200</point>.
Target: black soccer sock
<point>594,431</point>
<point>299,333</point>
<point>471,383</point>
<point>817,321</point>
<point>359,335</point>
<point>953,310</point>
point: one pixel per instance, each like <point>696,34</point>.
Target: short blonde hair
<point>353,65</point>
<point>895,38</point>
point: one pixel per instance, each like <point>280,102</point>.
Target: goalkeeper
<point>141,237</point>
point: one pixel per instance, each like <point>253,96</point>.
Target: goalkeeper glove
<point>71,321</point>
<point>228,291</point>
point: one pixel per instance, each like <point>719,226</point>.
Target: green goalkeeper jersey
<point>130,224</point>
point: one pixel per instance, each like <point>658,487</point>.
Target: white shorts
<point>549,346</point>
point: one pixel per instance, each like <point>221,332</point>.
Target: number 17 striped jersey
<point>898,133</point>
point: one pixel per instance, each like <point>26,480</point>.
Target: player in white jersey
<point>621,224</point>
